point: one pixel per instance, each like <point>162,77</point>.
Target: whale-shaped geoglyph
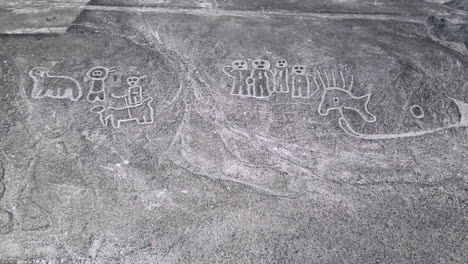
<point>463,122</point>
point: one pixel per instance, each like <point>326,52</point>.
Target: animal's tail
<point>147,100</point>
<point>97,109</point>
<point>77,92</point>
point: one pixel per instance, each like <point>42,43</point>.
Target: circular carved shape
<point>417,111</point>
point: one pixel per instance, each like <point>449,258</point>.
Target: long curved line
<point>344,124</point>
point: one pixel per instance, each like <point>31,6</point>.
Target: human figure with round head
<point>98,76</point>
<point>135,93</point>
<point>260,81</point>
<point>300,82</point>
<point>238,72</point>
<point>281,77</point>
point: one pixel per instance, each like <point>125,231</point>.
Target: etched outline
<point>241,77</point>
<point>284,72</point>
<point>462,108</point>
<point>134,84</point>
<point>100,109</point>
<point>40,73</point>
<point>326,88</point>
<point>94,80</point>
<point>6,227</point>
<point>293,86</point>
<point>411,109</point>
<point>251,80</point>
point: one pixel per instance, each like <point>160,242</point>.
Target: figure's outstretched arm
<point>228,73</point>
<point>118,96</point>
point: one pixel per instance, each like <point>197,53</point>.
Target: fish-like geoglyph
<point>336,93</point>
<point>339,98</point>
<point>463,122</point>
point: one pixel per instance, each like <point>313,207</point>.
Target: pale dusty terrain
<point>131,133</point>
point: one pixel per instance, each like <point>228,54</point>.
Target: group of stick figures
<point>260,80</point>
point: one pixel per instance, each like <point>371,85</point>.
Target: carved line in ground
<point>416,18</point>
<point>344,124</point>
<point>28,31</point>
<point>6,217</point>
<point>412,111</point>
<point>263,190</point>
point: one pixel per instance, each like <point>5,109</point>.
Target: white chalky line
<point>462,107</point>
<point>41,74</point>
<point>110,114</point>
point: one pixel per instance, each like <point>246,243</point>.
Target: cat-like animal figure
<point>142,113</point>
<point>54,86</point>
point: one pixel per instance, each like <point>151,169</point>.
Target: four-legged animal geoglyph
<point>142,113</point>
<point>54,86</point>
